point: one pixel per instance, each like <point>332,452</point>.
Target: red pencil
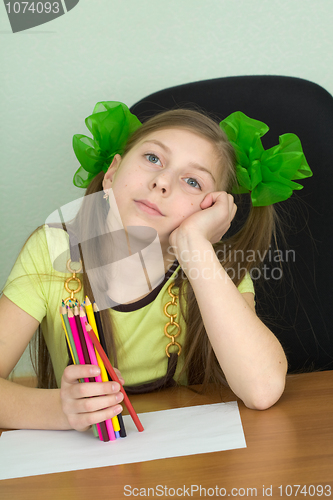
<point>113,375</point>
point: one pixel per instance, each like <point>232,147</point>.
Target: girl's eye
<point>192,182</point>
<point>153,159</point>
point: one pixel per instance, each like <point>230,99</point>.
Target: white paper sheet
<point>168,433</point>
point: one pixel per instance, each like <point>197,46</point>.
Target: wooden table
<point>289,444</point>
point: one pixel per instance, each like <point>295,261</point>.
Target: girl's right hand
<point>85,404</point>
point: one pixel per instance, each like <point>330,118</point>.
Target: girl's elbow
<point>265,397</point>
<point>261,403</point>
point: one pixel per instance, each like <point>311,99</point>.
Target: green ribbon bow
<point>111,124</point>
<point>267,174</point>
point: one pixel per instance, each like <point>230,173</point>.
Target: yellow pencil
<point>115,424</point>
<point>92,323</point>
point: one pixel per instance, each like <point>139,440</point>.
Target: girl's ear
<point>107,181</point>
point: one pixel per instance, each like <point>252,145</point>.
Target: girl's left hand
<point>212,222</point>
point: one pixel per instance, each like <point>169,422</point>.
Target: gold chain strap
<point>172,323</point>
<point>71,279</point>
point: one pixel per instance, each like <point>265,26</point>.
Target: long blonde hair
<point>255,236</point>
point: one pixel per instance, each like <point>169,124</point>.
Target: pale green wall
<point>52,75</point>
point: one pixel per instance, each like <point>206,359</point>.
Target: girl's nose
<point>161,182</point>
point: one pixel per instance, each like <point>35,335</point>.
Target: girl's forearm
<point>249,354</point>
<point>27,408</point>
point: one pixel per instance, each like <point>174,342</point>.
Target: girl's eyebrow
<point>163,146</point>
<point>203,169</point>
<point>194,165</point>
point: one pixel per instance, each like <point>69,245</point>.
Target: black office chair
<point>299,307</point>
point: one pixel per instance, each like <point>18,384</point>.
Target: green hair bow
<point>267,174</point>
<point>111,124</point>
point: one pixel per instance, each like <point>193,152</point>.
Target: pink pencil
<point>93,361</point>
<point>76,338</point>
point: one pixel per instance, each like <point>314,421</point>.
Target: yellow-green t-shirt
<point>38,289</point>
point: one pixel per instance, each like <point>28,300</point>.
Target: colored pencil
<point>92,322</point>
<point>122,431</point>
<point>69,346</point>
<point>114,377</point>
<point>68,333</point>
<point>82,339</point>
<point>100,327</point>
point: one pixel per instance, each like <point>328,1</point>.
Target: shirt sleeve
<point>29,282</point>
<point>246,285</point>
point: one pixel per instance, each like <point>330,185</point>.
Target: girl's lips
<point>148,207</point>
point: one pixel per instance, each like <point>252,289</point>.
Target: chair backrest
<point>298,307</point>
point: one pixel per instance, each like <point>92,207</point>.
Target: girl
<point>173,174</point>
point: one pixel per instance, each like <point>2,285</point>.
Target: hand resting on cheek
<point>211,222</point>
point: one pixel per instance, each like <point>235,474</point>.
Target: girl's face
<point>163,179</point>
